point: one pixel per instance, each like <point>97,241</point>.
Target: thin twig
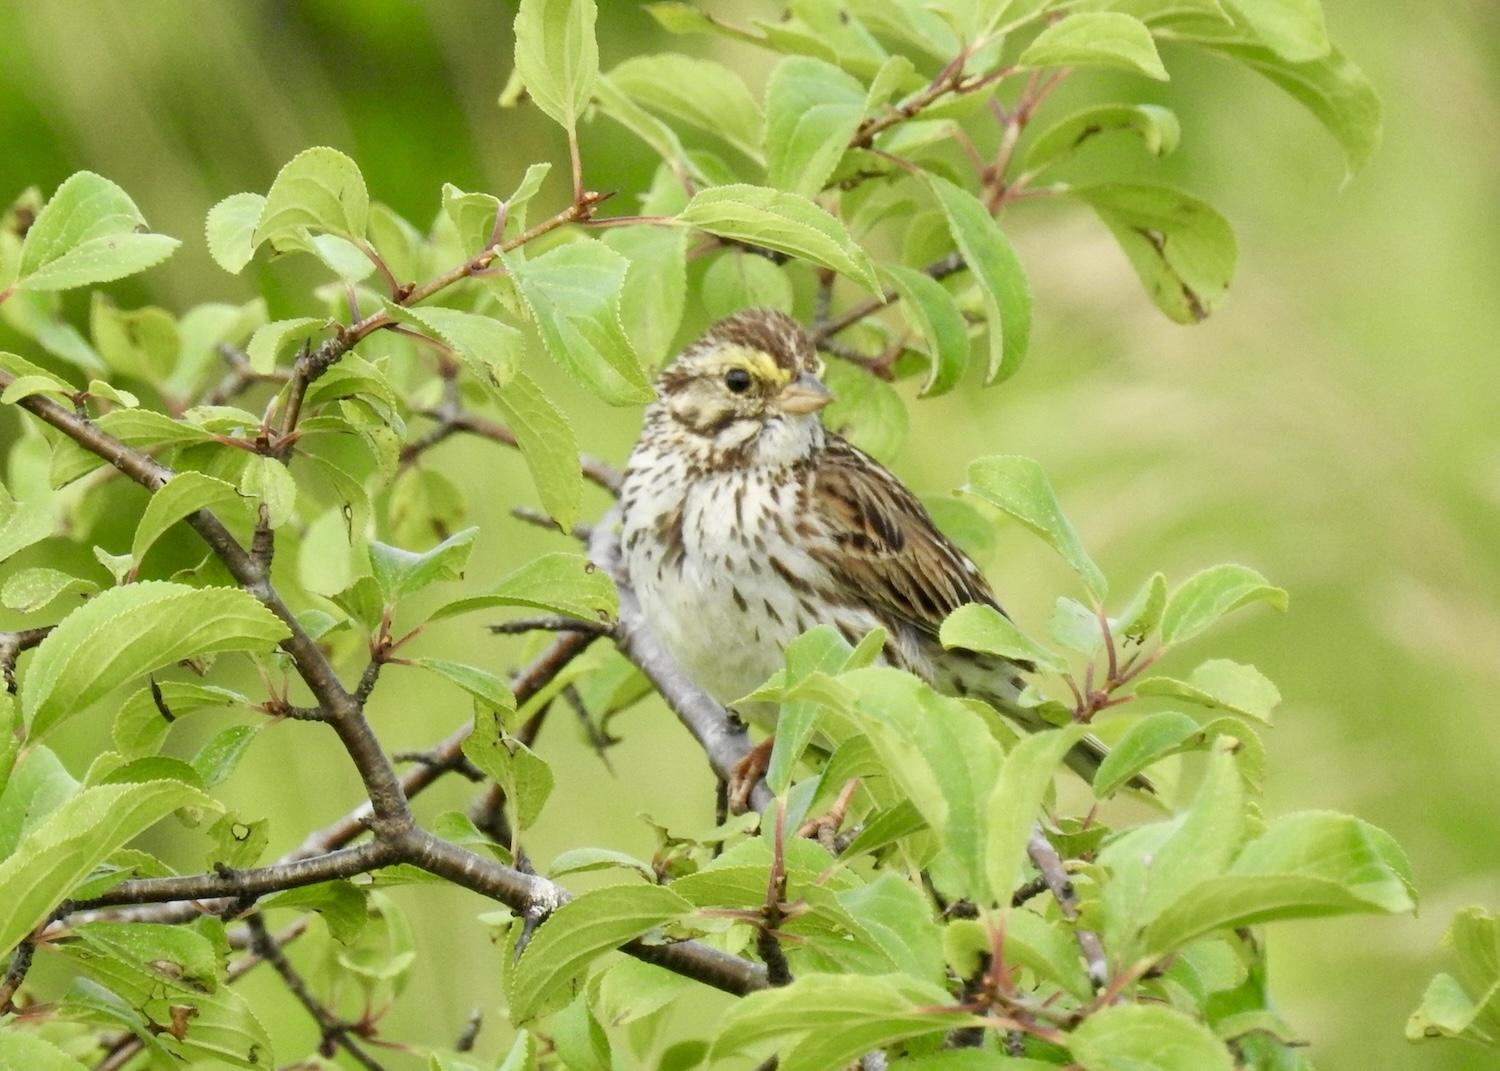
<point>549,624</point>
<point>1046,859</point>
<point>335,1030</point>
<point>11,646</point>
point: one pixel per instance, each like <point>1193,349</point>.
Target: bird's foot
<point>825,829</point>
<point>746,773</point>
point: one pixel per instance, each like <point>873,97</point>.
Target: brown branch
<point>335,1030</point>
<point>549,624</point>
<point>15,974</point>
<point>228,884</point>
<point>11,646</point>
<point>397,837</point>
<point>938,269</point>
<point>1046,859</point>
<point>451,421</point>
<point>311,365</point>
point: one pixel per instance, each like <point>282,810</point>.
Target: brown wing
<point>882,547</point>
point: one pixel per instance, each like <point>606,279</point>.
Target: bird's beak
<point>805,394</point>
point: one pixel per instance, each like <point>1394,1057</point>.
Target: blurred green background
<point>1335,425</point>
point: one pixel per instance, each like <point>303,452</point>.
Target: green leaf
<point>942,757</point>
<point>1156,126</point>
<point>573,294</point>
<point>488,348</point>
<point>237,843</point>
<point>1096,39</point>
<point>584,860</point>
<point>866,410</point>
<point>180,952</point>
<point>140,726</point>
<point>1183,250</point>
<point>473,216</point>
<point>221,753</point>
<point>931,311</point>
<point>35,786</point>
<point>269,340</point>
<point>1332,87</point>
<point>1015,804</point>
<point>37,315</point>
<point>812,110</point>
<point>127,631</point>
<point>1019,487</point>
<point>30,590</point>
<point>525,776</point>
<point>1207,596</point>
<point>655,290</point>
<point>100,389</point>
<point>230,230</point>
<point>1222,685</point>
<point>1293,29</point>
<point>997,270</point>
<point>343,906</point>
<point>548,446</point>
<point>824,1022</point>
<point>819,650</point>
<point>184,494</point>
<point>1448,1009</point>
<point>556,55</point>
<point>26,386</point>
<point>319,189</point>
<point>739,280</point>
<point>76,837</point>
<point>1149,740</point>
<point>1304,865</point>
<point>697,92</point>
<point>89,232</point>
<point>1146,1037</point>
<point>26,1049</point>
<point>580,931</point>
<point>400,573</point>
<point>977,627</point>
<point>143,343</point>
<point>269,482</point>
<point>785,222</point>
<point>21,524</point>
<point>1143,613</point>
<point>559,583</point>
<point>661,138</point>
<point>479,683</point>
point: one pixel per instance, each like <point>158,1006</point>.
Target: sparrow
<point>745,522</point>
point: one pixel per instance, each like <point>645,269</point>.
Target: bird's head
<point>756,368</point>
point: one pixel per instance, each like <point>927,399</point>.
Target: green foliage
<point>871,165</point>
<point>1466,1006</point>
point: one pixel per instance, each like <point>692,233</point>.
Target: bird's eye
<point>737,380</point>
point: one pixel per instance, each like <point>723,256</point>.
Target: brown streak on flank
<point>785,573</point>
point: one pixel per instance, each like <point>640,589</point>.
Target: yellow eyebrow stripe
<point>759,364</point>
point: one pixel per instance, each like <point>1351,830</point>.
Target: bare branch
<point>226,884</point>
<point>11,646</point>
<point>549,624</point>
<point>335,1030</point>
<point>1045,856</point>
<point>15,974</point>
<point>451,421</point>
